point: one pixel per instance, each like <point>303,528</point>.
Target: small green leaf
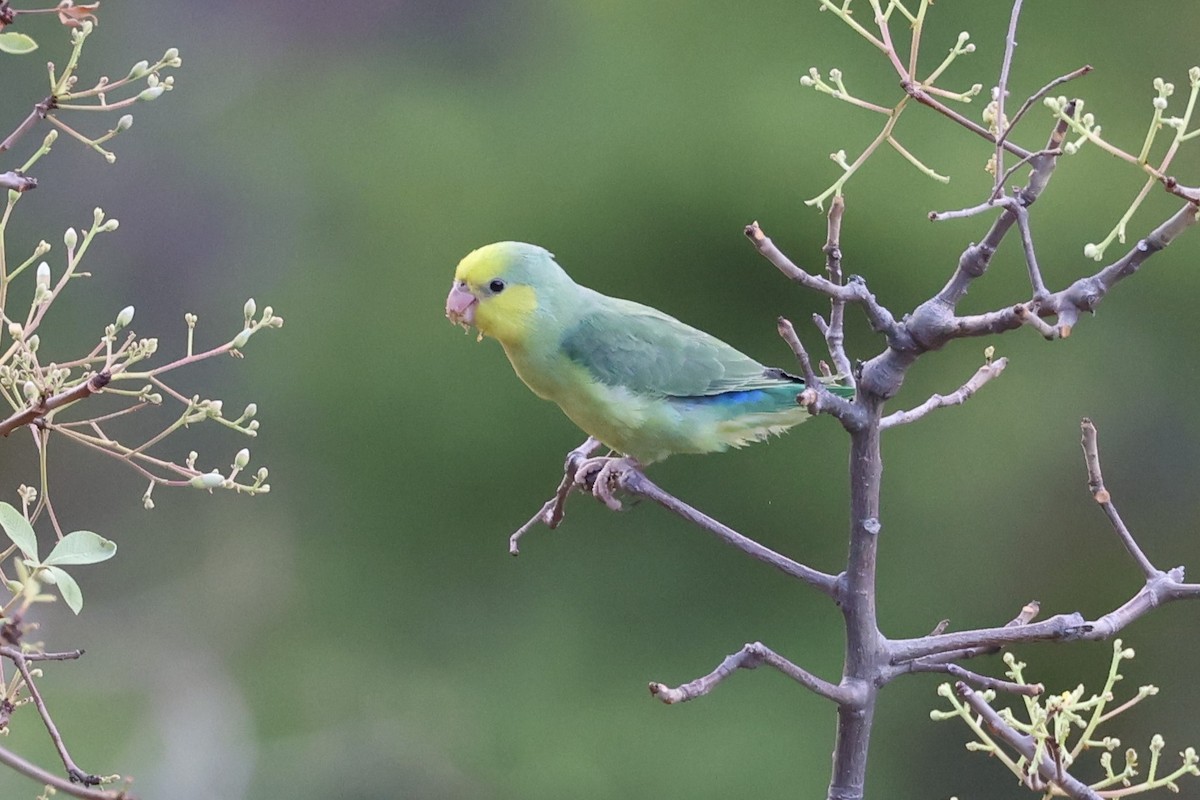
<point>81,547</point>
<point>18,529</point>
<point>16,43</point>
<point>67,587</point>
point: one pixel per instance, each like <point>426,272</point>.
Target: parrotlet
<point>633,378</point>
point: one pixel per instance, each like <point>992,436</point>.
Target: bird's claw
<point>604,475</point>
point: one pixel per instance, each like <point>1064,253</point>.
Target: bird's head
<point>500,287</point>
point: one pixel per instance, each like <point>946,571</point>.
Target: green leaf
<point>67,587</point>
<point>16,43</point>
<point>18,529</point>
<point>81,547</point>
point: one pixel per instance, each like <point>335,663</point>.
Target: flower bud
<point>43,275</point>
<point>242,458</point>
<point>125,317</point>
<point>249,309</point>
<point>209,480</point>
<point>150,93</point>
<point>70,238</point>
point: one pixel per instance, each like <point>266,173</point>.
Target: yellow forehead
<point>480,266</point>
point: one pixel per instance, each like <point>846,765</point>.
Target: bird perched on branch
<point>637,380</point>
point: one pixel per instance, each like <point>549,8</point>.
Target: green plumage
<point>640,381</point>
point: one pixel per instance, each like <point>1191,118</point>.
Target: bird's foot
<point>605,476</point>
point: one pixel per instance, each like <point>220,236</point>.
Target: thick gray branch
<point>1063,627</point>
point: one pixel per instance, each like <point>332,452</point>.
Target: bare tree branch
<point>975,259</point>
<point>637,483</point>
<point>1161,587</point>
<point>854,291</point>
<point>1091,457</point>
<point>816,396</point>
<point>1038,95</point>
<point>1049,770</point>
<point>552,511</point>
<point>39,112</point>
<point>834,330</point>
<point>1002,124</point>
<point>28,415</point>
<point>31,770</point>
<point>751,656</point>
<point>76,775</point>
<point>982,681</point>
<point>17,181</point>
<point>936,326</point>
<point>922,96</point>
<point>982,375</point>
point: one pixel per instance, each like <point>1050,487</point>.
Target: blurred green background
<point>361,632</point>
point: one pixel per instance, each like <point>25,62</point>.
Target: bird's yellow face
<point>485,296</point>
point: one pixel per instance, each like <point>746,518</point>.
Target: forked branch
<point>751,656</point>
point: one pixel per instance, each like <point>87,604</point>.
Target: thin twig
<point>1002,126</point>
<point>1024,744</point>
<point>637,483</point>
<point>963,674</point>
<point>552,511</point>
<point>922,96</point>
<point>77,775</point>
<point>1042,92</point>
<point>1091,457</point>
<point>834,331</point>
<point>854,291</point>
<point>751,656</point>
<point>982,375</point>
<point>33,771</point>
<point>1035,272</point>
<point>816,396</point>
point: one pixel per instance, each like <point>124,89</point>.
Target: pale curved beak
<point>460,305</point>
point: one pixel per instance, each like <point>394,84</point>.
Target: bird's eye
<point>497,286</point>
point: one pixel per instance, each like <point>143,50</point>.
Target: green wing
<point>627,344</point>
